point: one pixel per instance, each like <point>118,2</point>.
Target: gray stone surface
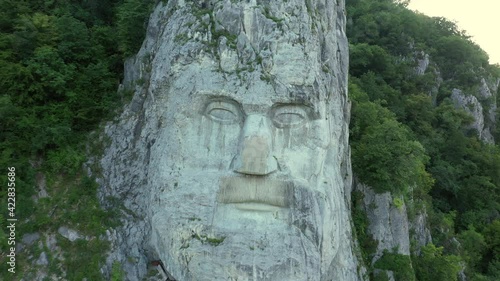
<point>41,185</point>
<point>70,234</point>
<point>42,260</point>
<point>484,90</point>
<point>29,238</point>
<point>421,233</point>
<point>232,159</point>
<point>481,105</point>
<point>422,60</point>
<point>472,106</point>
<point>388,224</point>
<point>424,65</point>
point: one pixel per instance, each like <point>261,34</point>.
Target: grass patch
<point>83,259</point>
<point>214,241</point>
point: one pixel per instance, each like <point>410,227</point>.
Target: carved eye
<point>289,116</point>
<point>223,112</point>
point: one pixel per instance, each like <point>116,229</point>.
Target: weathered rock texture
<point>232,159</point>
<point>481,104</point>
<point>389,224</point>
<point>472,106</point>
<point>425,66</point>
<point>422,61</point>
<point>480,101</point>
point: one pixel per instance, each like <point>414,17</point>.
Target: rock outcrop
<point>481,105</point>
<point>391,228</point>
<point>389,224</point>
<point>231,162</point>
<point>472,106</point>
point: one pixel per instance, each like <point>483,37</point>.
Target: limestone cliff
<point>253,88</point>
<point>390,227</point>
<point>479,101</point>
<point>484,118</point>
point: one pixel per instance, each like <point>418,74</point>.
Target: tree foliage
<point>132,21</point>
<point>433,265</point>
<point>385,154</point>
<point>399,264</point>
<point>60,67</point>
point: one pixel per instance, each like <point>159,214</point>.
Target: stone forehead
<point>255,29</point>
<point>267,50</point>
<point>194,87</point>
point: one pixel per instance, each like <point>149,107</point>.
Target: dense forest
<point>408,137</point>
<point>61,63</point>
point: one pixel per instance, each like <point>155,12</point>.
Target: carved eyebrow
<point>307,95</point>
<point>292,101</point>
<point>215,97</point>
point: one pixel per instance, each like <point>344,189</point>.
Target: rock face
<point>472,106</point>
<point>422,60</point>
<point>480,104</point>
<point>232,159</point>
<point>421,232</point>
<point>425,66</point>
<point>389,224</point>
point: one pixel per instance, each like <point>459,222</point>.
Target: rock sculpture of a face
<point>247,171</point>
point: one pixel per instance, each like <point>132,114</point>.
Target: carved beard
<point>215,227</point>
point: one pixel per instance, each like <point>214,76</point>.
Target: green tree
<point>132,21</point>
<point>473,247</point>
<point>385,154</point>
<point>432,265</point>
<point>400,264</point>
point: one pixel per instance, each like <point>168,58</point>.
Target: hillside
<point>424,135</point>
<point>424,127</point>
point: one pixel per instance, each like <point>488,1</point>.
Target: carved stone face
<point>245,170</point>
<point>247,179</point>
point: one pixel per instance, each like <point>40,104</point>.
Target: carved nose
<point>255,149</point>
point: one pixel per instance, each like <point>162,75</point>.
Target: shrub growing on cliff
<point>59,72</point>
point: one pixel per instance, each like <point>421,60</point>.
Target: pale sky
<point>480,18</point>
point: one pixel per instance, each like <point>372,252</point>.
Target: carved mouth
<point>253,192</point>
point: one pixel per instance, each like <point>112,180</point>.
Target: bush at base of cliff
<point>432,265</point>
<point>399,264</point>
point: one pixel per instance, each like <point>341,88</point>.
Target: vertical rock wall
<point>256,53</point>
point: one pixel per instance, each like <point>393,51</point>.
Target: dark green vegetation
<point>60,66</point>
<point>408,138</point>
<point>399,264</point>
<point>366,242</point>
